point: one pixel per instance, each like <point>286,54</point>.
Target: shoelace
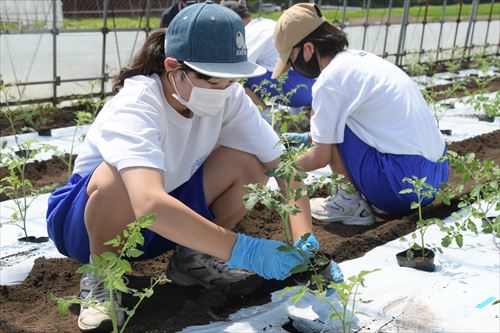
<point>217,264</point>
<point>334,200</point>
<point>96,288</point>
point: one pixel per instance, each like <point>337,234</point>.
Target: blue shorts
<point>379,176</point>
<point>66,226</point>
<point>301,97</point>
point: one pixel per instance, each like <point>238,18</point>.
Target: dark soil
<point>28,308</point>
<point>471,86</point>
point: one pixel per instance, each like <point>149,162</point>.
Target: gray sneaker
<point>92,319</point>
<point>204,270</point>
<point>343,208</point>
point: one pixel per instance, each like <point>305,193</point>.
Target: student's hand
<point>310,245</point>
<point>296,139</point>
<point>335,272</point>
<point>332,272</point>
<point>262,257</point>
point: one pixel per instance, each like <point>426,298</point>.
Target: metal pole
<point>148,15</point>
<point>387,24</point>
<point>488,26</point>
<point>456,28</point>
<point>342,25</point>
<point>470,28</point>
<point>104,30</point>
<point>55,32</point>
<point>424,22</point>
<point>402,33</point>
<point>366,22</point>
<point>443,13</point>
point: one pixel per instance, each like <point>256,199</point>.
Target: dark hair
<point>237,6</point>
<point>327,39</point>
<point>148,61</point>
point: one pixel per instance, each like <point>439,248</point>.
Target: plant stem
<point>353,305</point>
<point>23,211</point>
<point>422,230</point>
<point>286,218</point>
<point>141,298</point>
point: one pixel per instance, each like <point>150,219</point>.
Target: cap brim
<point>235,70</point>
<point>282,65</point>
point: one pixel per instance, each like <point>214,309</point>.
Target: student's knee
<point>253,169</point>
<point>107,194</point>
<point>250,168</point>
<point>105,181</point>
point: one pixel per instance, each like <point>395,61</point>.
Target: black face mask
<point>308,69</point>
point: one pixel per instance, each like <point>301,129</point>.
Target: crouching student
<point>370,121</point>
<point>179,140</point>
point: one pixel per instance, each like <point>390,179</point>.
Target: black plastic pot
<point>33,239</point>
<point>486,118</point>
<point>417,262</point>
<point>448,105</point>
<point>446,131</point>
<point>45,131</point>
<point>488,220</point>
<point>23,153</point>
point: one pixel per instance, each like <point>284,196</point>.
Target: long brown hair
<point>147,61</point>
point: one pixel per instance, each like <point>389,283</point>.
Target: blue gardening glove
<point>262,257</point>
<point>296,139</point>
<point>335,272</point>
<point>332,272</point>
<point>309,245</point>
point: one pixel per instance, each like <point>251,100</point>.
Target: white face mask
<point>203,102</point>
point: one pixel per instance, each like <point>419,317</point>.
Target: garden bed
<point>27,307</point>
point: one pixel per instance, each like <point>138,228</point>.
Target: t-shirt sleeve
<point>244,129</point>
<point>332,104</point>
<point>132,137</point>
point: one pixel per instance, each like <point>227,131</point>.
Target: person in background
<point>168,14</point>
<point>370,121</point>
<point>261,50</point>
<point>179,140</point>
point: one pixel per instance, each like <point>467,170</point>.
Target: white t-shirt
<point>138,127</point>
<point>259,37</point>
<point>378,102</point>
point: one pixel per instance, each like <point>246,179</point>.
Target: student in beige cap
<point>370,121</point>
<point>259,36</point>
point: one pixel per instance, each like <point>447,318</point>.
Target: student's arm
<point>300,223</point>
<point>178,223</point>
<point>174,220</point>
<point>317,157</point>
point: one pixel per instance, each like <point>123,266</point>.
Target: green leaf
<point>298,295</point>
<point>322,261</point>
<point>134,253</point>
<point>446,241</point>
<point>299,268</point>
<point>108,256</point>
<point>285,248</point>
<point>459,239</point>
<point>406,190</point>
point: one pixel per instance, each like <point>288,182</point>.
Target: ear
<point>170,63</point>
<point>308,51</point>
